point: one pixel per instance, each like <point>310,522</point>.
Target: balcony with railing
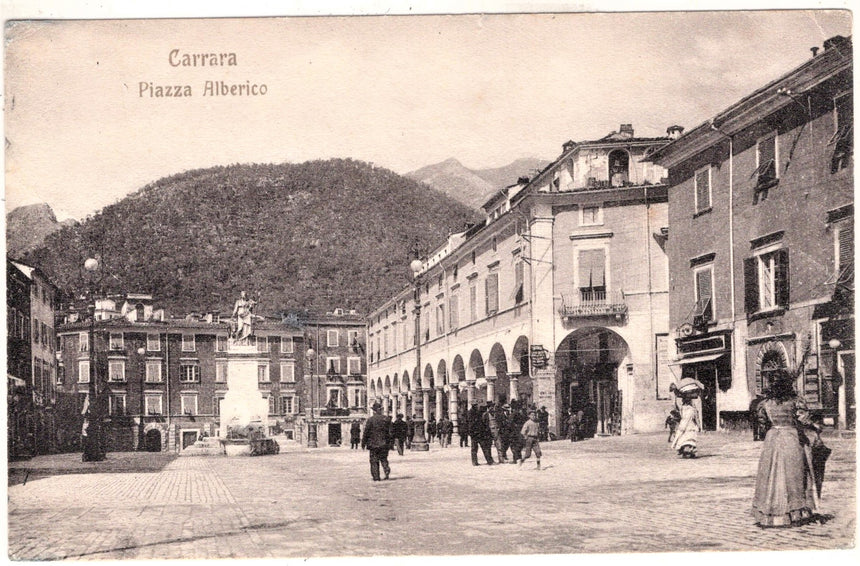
<point>589,303</point>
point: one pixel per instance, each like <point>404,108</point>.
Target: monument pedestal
<point>244,404</point>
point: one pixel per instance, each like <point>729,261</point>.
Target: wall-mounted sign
<point>538,356</point>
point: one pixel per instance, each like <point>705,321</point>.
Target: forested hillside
<point>316,235</point>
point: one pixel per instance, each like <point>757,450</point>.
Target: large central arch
<point>588,361</point>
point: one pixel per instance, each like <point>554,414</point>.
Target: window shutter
<point>846,246</point>
<point>751,285</point>
<point>781,278</point>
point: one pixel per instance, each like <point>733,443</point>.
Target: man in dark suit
<point>377,439</point>
<point>355,434</point>
<point>480,436</point>
<point>399,430</point>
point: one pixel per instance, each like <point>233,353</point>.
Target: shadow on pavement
<point>21,472</point>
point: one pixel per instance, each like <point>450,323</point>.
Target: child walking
<point>530,433</point>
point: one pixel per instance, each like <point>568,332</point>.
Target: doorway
<point>334,434</point>
<point>706,373</point>
<point>152,441</point>
<point>189,437</point>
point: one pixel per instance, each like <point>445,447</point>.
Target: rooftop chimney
<point>674,132</point>
<point>814,51</point>
<point>568,145</point>
<point>626,130</point>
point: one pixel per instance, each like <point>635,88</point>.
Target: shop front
<point>707,358</point>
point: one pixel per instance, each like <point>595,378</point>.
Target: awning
<point>698,359</point>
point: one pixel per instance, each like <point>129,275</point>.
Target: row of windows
<point>40,292</point>
<point>17,324</point>
<point>766,277</point>
<point>387,339</point>
<point>154,404</point>
<point>43,334</point>
<point>153,343</point>
<point>767,171</point>
<point>190,371</point>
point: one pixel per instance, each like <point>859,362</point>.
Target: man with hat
<point>531,435</point>
<point>377,439</point>
<point>491,423</point>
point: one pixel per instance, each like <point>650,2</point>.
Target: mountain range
<point>473,187</point>
<point>315,235</point>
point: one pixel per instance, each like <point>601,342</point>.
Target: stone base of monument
<point>248,447</point>
<point>207,446</point>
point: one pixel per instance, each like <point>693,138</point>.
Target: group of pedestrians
<point>579,424</point>
<point>440,431</point>
<point>507,427</point>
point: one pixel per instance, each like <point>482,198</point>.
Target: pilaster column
<point>440,410</point>
<point>514,392</point>
<point>453,409</point>
<point>470,393</point>
<point>386,403</point>
<point>404,409</point>
<point>491,389</point>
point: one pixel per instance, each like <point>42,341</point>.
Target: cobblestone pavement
<point>618,494</point>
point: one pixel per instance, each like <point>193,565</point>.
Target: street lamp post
<point>312,426</point>
<point>419,442</point>
<point>141,352</point>
<point>92,439</point>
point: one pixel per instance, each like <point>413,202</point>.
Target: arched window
<point>619,167</point>
<point>771,359</point>
<point>138,311</point>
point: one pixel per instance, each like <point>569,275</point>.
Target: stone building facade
<point>42,375</point>
<point>560,298</point>
<point>162,379</point>
<point>761,243</point>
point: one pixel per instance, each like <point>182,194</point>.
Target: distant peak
<point>41,208</point>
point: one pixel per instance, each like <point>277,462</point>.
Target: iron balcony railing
<point>591,303</point>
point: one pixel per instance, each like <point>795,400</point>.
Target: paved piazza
<point>615,494</point>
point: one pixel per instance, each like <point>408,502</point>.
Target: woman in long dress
<point>784,489</point>
<point>687,433</point>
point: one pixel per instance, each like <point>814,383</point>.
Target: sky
<point>399,91</point>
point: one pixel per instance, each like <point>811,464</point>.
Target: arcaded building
<point>559,298</point>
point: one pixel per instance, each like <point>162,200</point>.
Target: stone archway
<point>498,389</point>
<point>772,357</point>
<point>458,376</point>
<point>154,438</point>
<point>520,370</point>
<point>475,373</point>
<point>587,363</point>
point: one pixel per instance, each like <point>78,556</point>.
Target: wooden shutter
<point>781,279</point>
<point>846,246</point>
<point>751,285</point>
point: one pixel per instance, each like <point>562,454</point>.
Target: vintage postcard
<point>467,283</point>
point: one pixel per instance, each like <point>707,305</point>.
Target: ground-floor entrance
<point>588,360</point>
<point>706,373</point>
<point>189,437</point>
<point>334,434</point>
<point>152,440</point>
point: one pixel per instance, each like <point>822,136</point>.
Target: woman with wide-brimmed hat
<point>687,432</point>
<point>785,489</point>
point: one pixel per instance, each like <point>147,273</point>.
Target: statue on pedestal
<point>242,318</point>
